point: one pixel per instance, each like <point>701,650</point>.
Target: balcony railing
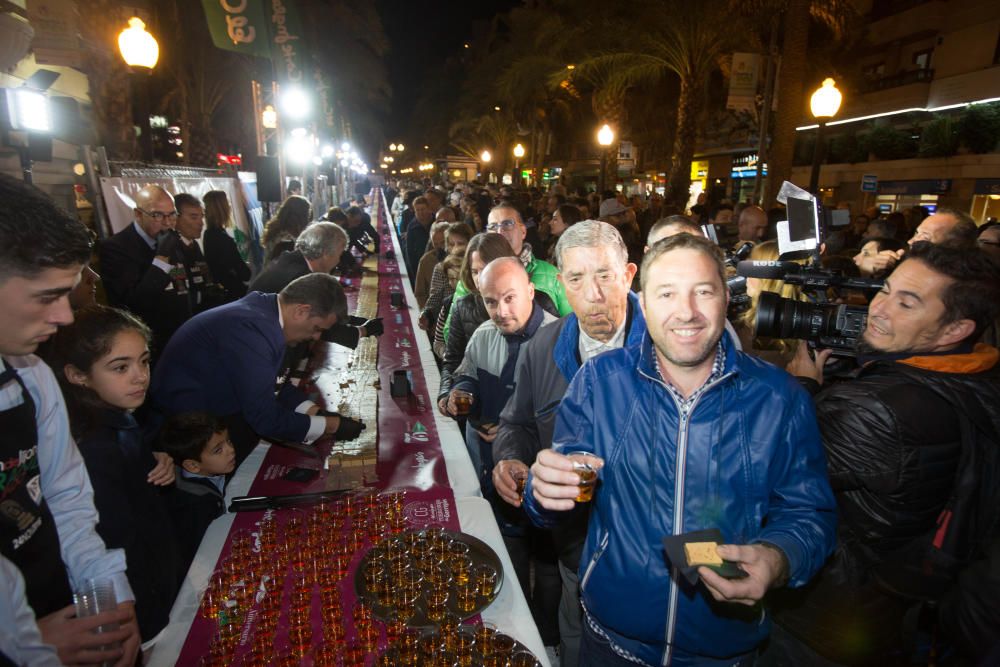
<point>899,79</point>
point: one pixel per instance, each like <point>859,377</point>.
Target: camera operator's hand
<point>805,366</point>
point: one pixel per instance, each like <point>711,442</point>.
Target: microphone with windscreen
<point>767,269</point>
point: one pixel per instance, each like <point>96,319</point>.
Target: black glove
<point>167,243</point>
<point>373,327</point>
<point>349,429</point>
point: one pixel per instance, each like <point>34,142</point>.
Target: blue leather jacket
<point>745,458</point>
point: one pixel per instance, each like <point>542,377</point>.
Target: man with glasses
<point>142,268</point>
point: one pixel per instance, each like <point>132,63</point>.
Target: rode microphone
<point>767,269</point>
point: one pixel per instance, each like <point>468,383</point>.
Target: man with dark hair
<point>899,436</point>
<point>691,434</point>
<point>670,225</point>
<point>418,234</point>
<point>228,361</point>
<point>949,226</point>
<point>721,215</point>
<point>47,517</point>
<point>203,291</point>
<point>360,231</point>
<point>142,268</point>
<point>318,249</point>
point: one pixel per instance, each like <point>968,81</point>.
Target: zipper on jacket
<point>593,560</point>
<point>678,518</point>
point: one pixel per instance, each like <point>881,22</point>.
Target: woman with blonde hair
<point>778,351</point>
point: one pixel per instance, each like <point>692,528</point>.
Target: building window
<point>876,71</point>
<point>922,59</point>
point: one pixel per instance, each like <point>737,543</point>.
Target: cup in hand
<point>463,401</point>
<point>585,465</point>
<point>97,596</point>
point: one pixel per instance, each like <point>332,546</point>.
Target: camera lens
<point>829,325</point>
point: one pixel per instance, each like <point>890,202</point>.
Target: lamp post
<point>140,52</point>
<point>604,137</point>
<point>824,104</point>
<point>518,154</point>
<point>485,158</point>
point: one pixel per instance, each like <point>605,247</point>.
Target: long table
<point>407,429</point>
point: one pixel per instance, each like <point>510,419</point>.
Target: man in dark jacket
<point>142,269</point>
<point>228,361</point>
<point>688,434</point>
<point>594,269</point>
<point>318,249</point>
<point>897,436</point>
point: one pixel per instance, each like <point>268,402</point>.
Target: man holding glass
<point>688,434</point>
<point>142,268</point>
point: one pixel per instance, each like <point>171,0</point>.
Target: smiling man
<point>894,436</point>
<point>694,435</point>
<point>47,515</point>
<point>228,361</point>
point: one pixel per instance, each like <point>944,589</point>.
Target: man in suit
<point>317,250</point>
<point>142,268</point>
<point>205,292</point>
<point>228,361</point>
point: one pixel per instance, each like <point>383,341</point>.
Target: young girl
<point>102,362</point>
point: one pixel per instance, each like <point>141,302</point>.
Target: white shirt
<point>591,347</point>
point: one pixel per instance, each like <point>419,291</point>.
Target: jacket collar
<point>980,358</point>
<point>566,353</point>
<point>117,418</point>
<point>646,364</point>
<point>535,321</point>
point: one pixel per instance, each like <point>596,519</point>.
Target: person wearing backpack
<point>913,448</point>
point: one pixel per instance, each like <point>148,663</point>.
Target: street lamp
<point>824,104</point>
<point>140,52</point>
<point>605,136</point>
<point>485,156</point>
<point>399,147</point>
<point>392,147</point>
<point>269,118</point>
<point>518,154</point>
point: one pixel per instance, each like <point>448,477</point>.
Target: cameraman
<point>894,435</point>
<point>778,351</point>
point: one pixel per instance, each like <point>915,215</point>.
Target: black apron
<point>28,536</point>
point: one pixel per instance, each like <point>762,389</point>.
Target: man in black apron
<point>47,515</point>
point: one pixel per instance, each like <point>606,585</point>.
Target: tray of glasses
<point>419,577</point>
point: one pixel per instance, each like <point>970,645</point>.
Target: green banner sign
<point>287,43</point>
<point>238,25</point>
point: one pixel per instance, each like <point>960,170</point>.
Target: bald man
<point>142,267</point>
<point>487,372</point>
<point>752,225</point>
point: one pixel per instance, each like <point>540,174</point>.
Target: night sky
<point>423,34</point>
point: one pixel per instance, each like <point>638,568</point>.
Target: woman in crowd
<point>565,216</point>
<point>221,253</point>
<point>431,258</point>
<point>280,232</point>
<point>778,351</point>
<point>873,265</point>
<point>457,236</point>
<point>102,363</point>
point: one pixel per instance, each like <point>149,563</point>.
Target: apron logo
<point>35,489</point>
<point>12,510</point>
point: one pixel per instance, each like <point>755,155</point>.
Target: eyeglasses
<point>159,216</point>
<point>507,224</point>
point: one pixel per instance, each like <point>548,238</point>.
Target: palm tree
<point>678,38</point>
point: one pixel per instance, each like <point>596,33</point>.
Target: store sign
<point>869,183</point>
<point>926,187</point>
<point>743,82</point>
<point>987,186</point>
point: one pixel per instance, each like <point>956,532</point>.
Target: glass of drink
<point>437,603</point>
<point>485,577</point>
<point>463,401</point>
<point>520,478</point>
<point>524,659</point>
<point>465,595</point>
<point>585,465</point>
<point>97,596</point>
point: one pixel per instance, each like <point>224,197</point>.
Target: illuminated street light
<point>327,151</point>
<point>399,147</point>
<point>519,151</point>
<point>345,146</point>
<point>824,104</point>
<point>518,154</point>
<point>269,118</point>
<point>29,110</point>
<point>486,156</point>
<point>138,47</point>
<point>604,137</point>
<point>392,147</point>
<point>295,102</point>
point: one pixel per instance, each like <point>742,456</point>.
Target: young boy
<point>199,445</point>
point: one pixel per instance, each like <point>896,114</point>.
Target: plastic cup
<point>463,401</point>
<point>97,596</point>
<point>585,465</point>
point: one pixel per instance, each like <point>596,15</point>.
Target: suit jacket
<point>225,262</point>
<point>291,265</point>
<point>228,361</point>
<point>132,281</point>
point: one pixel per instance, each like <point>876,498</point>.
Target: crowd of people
<point>856,515</point>
<point>861,509</point>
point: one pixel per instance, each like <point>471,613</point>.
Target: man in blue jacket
<point>228,361</point>
<point>693,435</point>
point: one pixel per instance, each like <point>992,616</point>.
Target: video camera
<point>822,324</point>
<point>739,300</point>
